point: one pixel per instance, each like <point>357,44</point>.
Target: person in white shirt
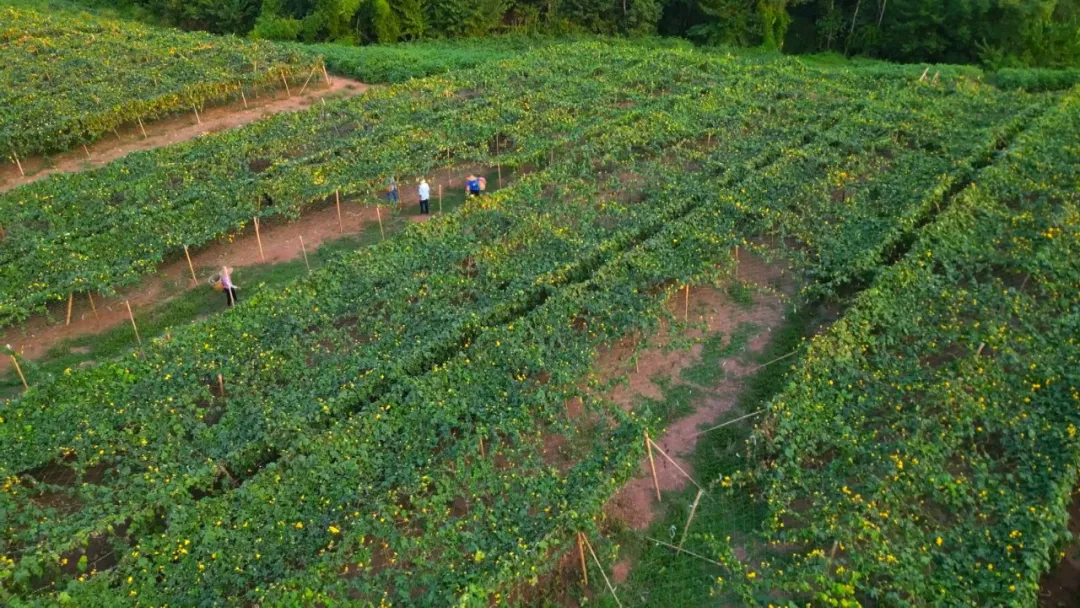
<point>425,195</point>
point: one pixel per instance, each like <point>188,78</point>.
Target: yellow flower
<point>939,541</point>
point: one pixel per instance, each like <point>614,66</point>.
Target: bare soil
<point>634,503</point>
<point>175,129</point>
<point>1060,588</point>
<point>280,243</point>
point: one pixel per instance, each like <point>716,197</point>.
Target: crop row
<point>70,77</point>
<point>928,444</point>
<point>102,229</point>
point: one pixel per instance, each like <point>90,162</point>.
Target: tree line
<point>995,33</point>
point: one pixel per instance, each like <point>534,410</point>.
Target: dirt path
<point>634,503</point>
<point>281,243</point>
<point>175,129</point>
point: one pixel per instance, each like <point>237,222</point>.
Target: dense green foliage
<point>70,77</point>
<point>400,62</point>
<point>1035,80</point>
<point>926,448</point>
<point>998,33</point>
<point>343,460</point>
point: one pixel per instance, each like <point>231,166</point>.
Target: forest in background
<point>995,33</point>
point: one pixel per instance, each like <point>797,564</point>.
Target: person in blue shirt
<point>472,185</point>
<point>391,190</point>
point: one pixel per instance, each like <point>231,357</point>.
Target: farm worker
<point>472,185</point>
<point>425,194</point>
<point>227,285</point>
<point>391,190</point>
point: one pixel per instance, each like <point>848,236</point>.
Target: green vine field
<point>70,77</point>
<point>397,427</point>
<point>926,450</point>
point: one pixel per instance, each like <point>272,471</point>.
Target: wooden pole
<point>379,215</point>
<point>194,281</point>
<point>693,510</point>
<point>304,249</point>
<point>18,370</point>
<point>602,573</point>
<point>258,239</point>
<point>242,96</point>
<point>221,385</point>
<point>131,315</point>
<point>92,306</point>
<point>581,556</point>
<point>87,151</point>
<point>141,127</point>
<point>284,80</point>
<point>18,164</point>
<point>117,134</point>
<point>440,199</point>
<point>449,176</point>
<point>676,465</point>
<point>337,201</point>
<point>686,303</point>
<point>71,299</point>
<point>982,345</point>
<point>652,466</point>
<point>500,174</point>
<point>736,262</point>
<point>329,82</point>
<point>197,118</point>
<point>483,453</point>
<point>304,88</point>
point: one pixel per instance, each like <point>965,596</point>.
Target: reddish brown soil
<point>1061,586</point>
<point>634,503</point>
<point>281,243</point>
<point>175,129</point>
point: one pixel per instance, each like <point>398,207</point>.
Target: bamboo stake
<point>18,370</point>
<point>194,281</point>
<point>337,201</point>
<point>602,573</point>
<point>378,213</point>
<point>258,238</point>
<point>283,79</point>
<point>736,262</point>
<point>131,315</point>
<point>723,424</point>
<point>117,134</point>
<point>18,164</point>
<point>581,556</point>
<point>686,303</point>
<point>71,298</point>
<point>500,174</point>
<point>242,96</point>
<point>982,345</point>
<point>197,118</point>
<point>304,249</point>
<point>304,88</point>
<point>141,127</point>
<point>652,466</point>
<point>483,453</point>
<point>329,82</point>
<point>221,385</point>
<point>672,461</point>
<point>449,176</point>
<point>87,151</point>
<point>440,199</point>
<point>92,306</point>
<point>693,511</point>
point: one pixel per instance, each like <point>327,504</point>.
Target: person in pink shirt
<point>227,285</point>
